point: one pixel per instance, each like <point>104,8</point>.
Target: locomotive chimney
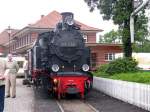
<point>68,17</point>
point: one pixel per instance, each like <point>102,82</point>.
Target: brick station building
<point>23,39</point>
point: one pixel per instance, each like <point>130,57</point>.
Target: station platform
<point>24,101</point>
<point>27,100</point>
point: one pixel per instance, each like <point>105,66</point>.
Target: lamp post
<point>9,34</point>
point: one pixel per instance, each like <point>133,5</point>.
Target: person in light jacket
<point>2,84</point>
<point>26,75</point>
<point>25,67</point>
<point>11,70</point>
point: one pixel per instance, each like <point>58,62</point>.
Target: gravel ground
<point>105,103</point>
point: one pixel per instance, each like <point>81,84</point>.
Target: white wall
<point>142,58</point>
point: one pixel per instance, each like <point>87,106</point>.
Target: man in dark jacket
<point>2,84</point>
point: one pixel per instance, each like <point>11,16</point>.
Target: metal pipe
<point>132,28</point>
<point>132,18</point>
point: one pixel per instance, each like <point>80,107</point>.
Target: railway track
<point>75,106</point>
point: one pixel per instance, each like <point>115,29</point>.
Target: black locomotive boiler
<point>59,61</point>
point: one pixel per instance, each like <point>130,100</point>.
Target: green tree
<point>142,43</point>
<point>119,11</point>
<point>111,37</point>
<point>142,47</point>
<point>141,32</point>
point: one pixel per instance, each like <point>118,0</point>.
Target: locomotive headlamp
<point>55,81</point>
<point>55,68</point>
<point>85,67</point>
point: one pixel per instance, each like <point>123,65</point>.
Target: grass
<point>139,77</point>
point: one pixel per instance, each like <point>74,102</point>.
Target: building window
<point>93,59</point>
<point>19,42</point>
<point>109,56</point>
<point>23,39</point>
<point>13,47</point>
<point>26,37</point>
<point>85,38</point>
<point>29,39</point>
<point>22,43</point>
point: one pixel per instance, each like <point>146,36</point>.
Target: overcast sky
<point>20,13</point>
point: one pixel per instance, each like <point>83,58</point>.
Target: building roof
<point>54,17</point>
<point>4,37</point>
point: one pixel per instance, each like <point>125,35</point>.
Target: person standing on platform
<point>25,68</point>
<point>11,69</point>
<point>2,84</point>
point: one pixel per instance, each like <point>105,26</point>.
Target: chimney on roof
<point>42,16</point>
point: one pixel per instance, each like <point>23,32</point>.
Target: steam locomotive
<point>59,61</point>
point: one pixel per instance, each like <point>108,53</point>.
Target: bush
<point>102,68</point>
<point>122,65</point>
<point>101,71</point>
